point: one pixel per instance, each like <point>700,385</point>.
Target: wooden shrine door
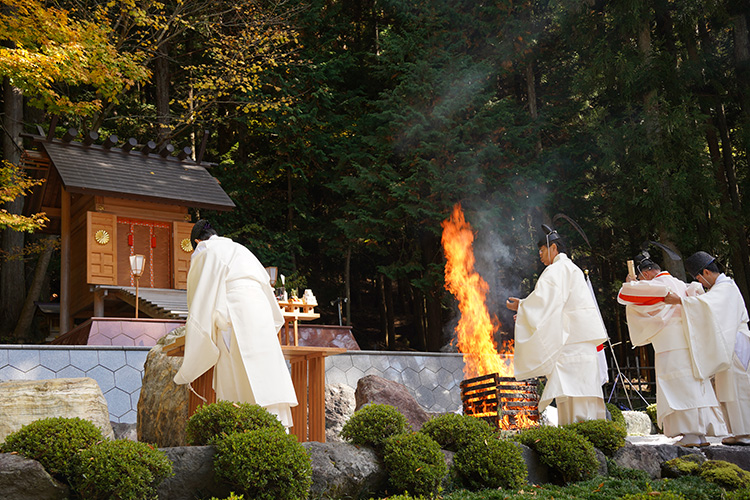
<point>153,240</point>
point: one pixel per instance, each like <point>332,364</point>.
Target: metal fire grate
<point>503,402</point>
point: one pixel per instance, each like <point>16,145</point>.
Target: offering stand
<point>308,378</point>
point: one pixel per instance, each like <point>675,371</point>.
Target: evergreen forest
<point>345,131</point>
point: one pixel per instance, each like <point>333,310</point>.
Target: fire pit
<point>503,402</point>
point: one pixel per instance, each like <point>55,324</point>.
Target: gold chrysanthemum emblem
<point>101,237</point>
<point>186,246</point>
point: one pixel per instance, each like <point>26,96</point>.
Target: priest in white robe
<point>719,340</point>
<point>232,326</point>
<point>685,405</point>
<point>557,333</point>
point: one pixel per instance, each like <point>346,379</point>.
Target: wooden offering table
<point>294,312</point>
<point>308,376</point>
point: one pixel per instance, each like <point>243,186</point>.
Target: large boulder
<point>22,479</point>
<point>374,389</point>
<point>194,477</point>
<point>343,470</point>
<point>25,401</point>
<point>649,458</point>
<point>340,403</point>
<point>163,405</point>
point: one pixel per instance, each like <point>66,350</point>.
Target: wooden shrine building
<point>108,203</point>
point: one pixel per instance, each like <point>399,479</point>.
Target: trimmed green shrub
<point>414,463</point>
<point>490,463</point>
<point>743,494</point>
<point>686,465</point>
<point>452,431</point>
<point>570,456</point>
<point>617,416</point>
<point>603,434</point>
<point>232,496</point>
<point>264,464</point>
<point>120,470</point>
<point>216,420</point>
<point>725,474</point>
<point>371,425</point>
<point>53,442</point>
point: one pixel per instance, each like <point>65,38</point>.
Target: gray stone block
<point>23,359</point>
<point>24,479</point>
<point>128,379</point>
<point>84,359</point>
<point>112,359</point>
<point>104,377</point>
<point>54,360</point>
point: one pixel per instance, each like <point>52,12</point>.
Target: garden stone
<point>738,455</point>
<point>125,431</point>
<point>340,403</point>
<point>25,401</point>
<point>163,405</point>
<point>645,458</point>
<point>637,423</point>
<point>342,470</point>
<point>194,476</point>
<point>23,479</point>
<point>377,390</point>
<point>602,458</point>
<point>538,473</point>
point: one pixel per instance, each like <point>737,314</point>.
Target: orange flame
<point>476,328</point>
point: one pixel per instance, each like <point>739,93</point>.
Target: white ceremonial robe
<point>684,403</point>
<point>232,325</point>
<point>716,326</point>
<point>557,332</point>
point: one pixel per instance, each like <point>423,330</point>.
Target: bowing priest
<point>685,404</point>
<point>232,326</point>
<point>557,332</point>
<point>719,340</point>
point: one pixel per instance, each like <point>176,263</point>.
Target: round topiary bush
<point>414,463</point>
<point>121,469</point>
<point>215,420</point>
<point>490,463</point>
<point>724,474</point>
<point>264,464</point>
<point>603,434</point>
<point>570,456</point>
<point>452,431</point>
<point>617,416</point>
<point>371,425</point>
<point>53,442</point>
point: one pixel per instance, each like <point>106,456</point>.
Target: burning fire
<point>476,328</point>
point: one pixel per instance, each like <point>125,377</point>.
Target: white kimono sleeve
<point>539,331</point>
<point>206,295</point>
<point>710,336</point>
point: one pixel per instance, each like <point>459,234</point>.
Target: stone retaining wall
<point>433,378</point>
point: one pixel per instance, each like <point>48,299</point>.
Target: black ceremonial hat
<point>550,235</point>
<point>697,262</point>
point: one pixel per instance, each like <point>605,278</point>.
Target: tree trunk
<point>390,316</point>
<point>12,280</point>
<point>161,82</point>
<point>27,312</point>
<point>348,285</point>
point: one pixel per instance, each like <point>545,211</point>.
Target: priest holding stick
<point>557,333</point>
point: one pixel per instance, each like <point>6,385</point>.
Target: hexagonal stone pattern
<point>432,378</point>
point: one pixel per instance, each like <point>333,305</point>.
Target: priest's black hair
<point>202,230</point>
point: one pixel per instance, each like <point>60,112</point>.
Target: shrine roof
<point>96,170</point>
